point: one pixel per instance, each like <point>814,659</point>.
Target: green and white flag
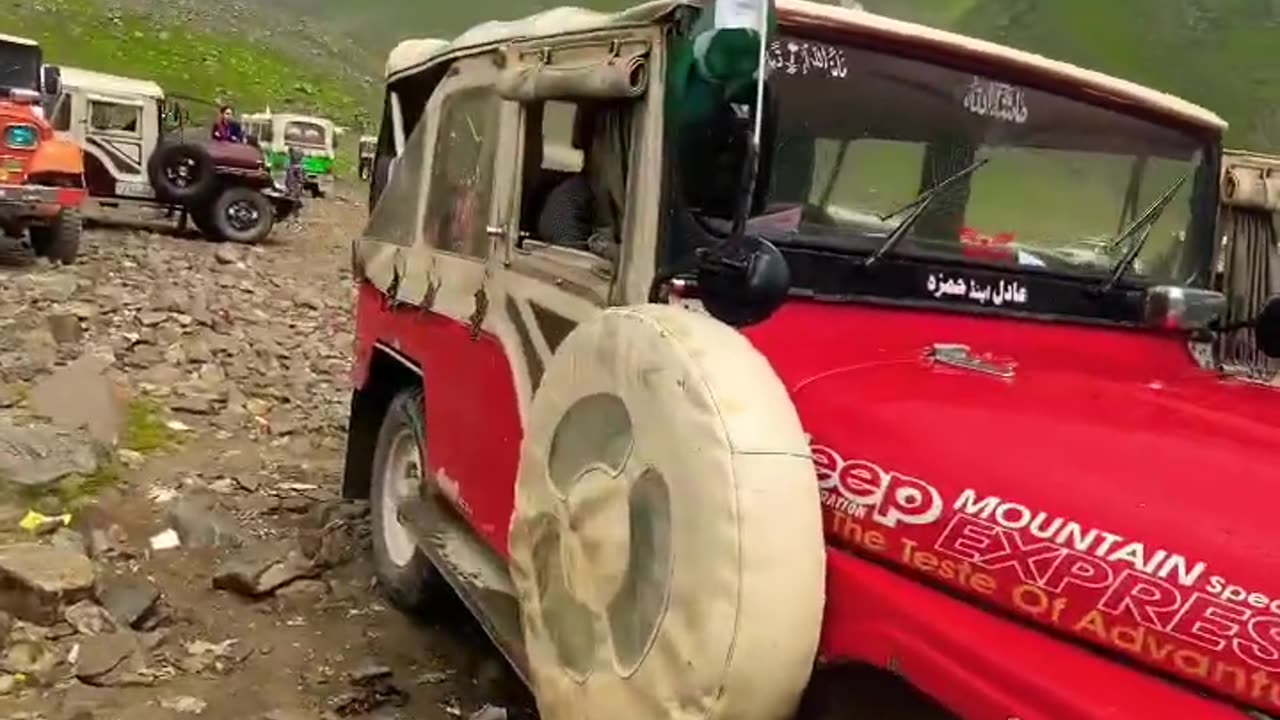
<point>727,46</point>
<point>720,62</point>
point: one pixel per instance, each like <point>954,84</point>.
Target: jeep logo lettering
<point>860,487</point>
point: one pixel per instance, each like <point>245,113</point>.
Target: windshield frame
<point>326,140</point>
<point>31,50</point>
<point>1078,297</point>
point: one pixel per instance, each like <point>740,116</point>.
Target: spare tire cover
<point>666,541</point>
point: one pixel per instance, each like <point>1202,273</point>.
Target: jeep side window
<point>549,158</point>
<point>461,188</point>
<point>61,116</point>
<point>114,117</point>
<point>574,174</point>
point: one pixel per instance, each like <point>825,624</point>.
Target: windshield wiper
<point>917,207</point>
<point>1145,222</point>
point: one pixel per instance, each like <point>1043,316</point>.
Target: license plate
<point>132,189</point>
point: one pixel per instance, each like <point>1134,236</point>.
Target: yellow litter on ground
<point>33,520</point>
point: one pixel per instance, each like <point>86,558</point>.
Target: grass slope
<point>1218,53</point>
<point>1214,52</point>
<point>183,59</point>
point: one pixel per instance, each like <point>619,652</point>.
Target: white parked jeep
<point>226,188</point>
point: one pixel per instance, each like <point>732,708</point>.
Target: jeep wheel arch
<point>385,376</point>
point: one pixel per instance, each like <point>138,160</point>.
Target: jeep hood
<point>1109,489</point>
<point>234,155</point>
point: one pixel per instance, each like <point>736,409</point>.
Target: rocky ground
<point>172,543</point>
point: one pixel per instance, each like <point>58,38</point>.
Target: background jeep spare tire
<point>666,542</point>
<point>181,172</point>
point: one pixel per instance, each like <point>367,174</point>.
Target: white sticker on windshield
<point>1026,258</point>
<point>997,100</point>
<point>797,57</point>
<point>1005,292</point>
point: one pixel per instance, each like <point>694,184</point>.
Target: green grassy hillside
<point>1219,53</point>
<point>329,53</point>
<point>217,67</point>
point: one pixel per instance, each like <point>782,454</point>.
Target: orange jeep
<point>41,176</point>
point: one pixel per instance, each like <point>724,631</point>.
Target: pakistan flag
<point>720,62</point>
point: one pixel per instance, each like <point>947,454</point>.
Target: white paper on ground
<point>166,540</point>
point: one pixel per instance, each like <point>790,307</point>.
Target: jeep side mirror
<point>743,282</point>
<point>51,80</point>
<point>1266,329</point>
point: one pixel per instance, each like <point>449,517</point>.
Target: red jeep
<point>41,176</point>
<point>923,421</point>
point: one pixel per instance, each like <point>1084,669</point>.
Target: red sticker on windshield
<point>979,244</point>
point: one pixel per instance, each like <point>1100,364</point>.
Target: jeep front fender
<point>980,664</point>
<point>58,158</point>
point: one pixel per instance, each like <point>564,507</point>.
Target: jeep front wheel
<point>243,215</point>
<point>403,570</point>
<point>60,240</point>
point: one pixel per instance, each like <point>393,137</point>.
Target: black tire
<point>60,240</point>
<point>15,252</point>
<point>862,693</point>
<point>242,215</point>
<point>202,218</point>
<point>410,582</point>
<point>182,173</point>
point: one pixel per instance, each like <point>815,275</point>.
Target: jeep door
<point>115,132</point>
<point>474,429</point>
<point>543,287</point>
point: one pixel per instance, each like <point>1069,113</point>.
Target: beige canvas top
<point>413,54</point>
<point>118,85</point>
<point>17,40</point>
<point>286,117</point>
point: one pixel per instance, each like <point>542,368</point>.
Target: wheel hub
<point>402,475</point>
<point>243,215</point>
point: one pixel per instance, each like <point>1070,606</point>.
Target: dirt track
<point>233,361</point>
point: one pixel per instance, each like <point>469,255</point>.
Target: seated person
<point>569,217</point>
<point>227,128</point>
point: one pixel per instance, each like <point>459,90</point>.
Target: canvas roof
<point>92,81</point>
<point>291,116</point>
<point>413,54</point>
<point>17,40</point>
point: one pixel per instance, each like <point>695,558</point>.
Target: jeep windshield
<point>854,136</point>
<point>19,65</point>
<point>307,134</point>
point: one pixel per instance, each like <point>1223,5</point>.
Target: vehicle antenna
<point>751,162</point>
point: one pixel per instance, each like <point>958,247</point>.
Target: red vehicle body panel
<point>470,401</point>
<point>1147,476</point>
<point>22,196</point>
<point>1133,502</point>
